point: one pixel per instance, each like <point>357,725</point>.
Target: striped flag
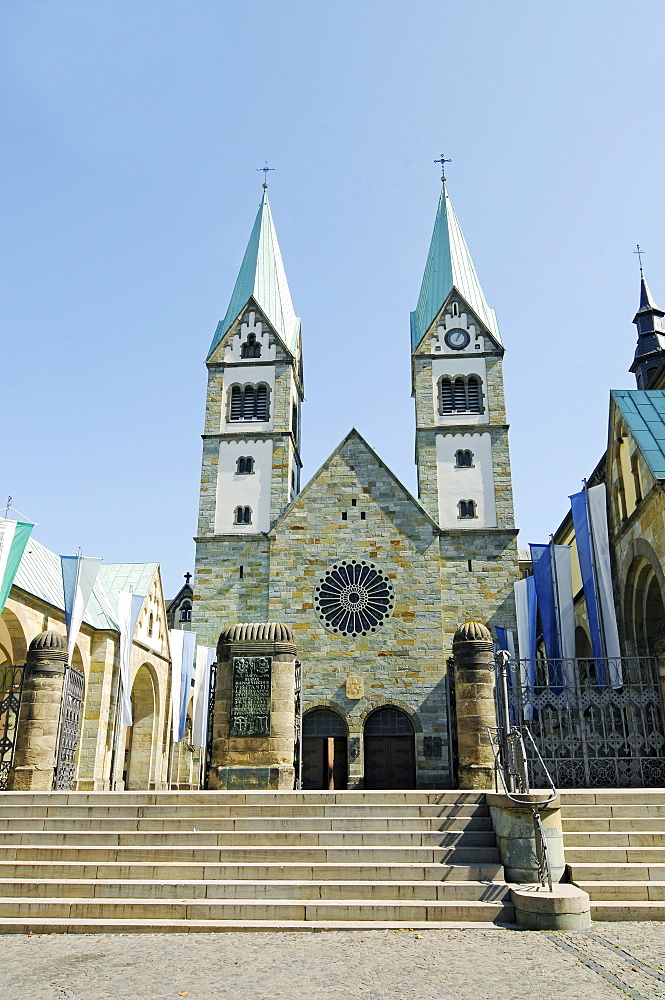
<point>14,537</point>
<point>78,578</point>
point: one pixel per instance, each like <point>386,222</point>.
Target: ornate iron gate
<point>297,727</point>
<point>68,737</point>
<point>591,734</point>
<point>211,712</point>
<point>11,685</point>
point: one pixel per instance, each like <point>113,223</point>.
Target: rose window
<point>354,598</point>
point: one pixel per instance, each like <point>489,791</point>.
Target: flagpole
<point>555,587</point>
<point>594,567</point>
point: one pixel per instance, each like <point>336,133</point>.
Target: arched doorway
<point>390,751</point>
<point>324,750</point>
<point>139,771</point>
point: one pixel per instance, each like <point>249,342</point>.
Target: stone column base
<point>249,778</point>
<point>566,908</point>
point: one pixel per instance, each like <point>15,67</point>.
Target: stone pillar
<point>473,651</point>
<point>253,724</point>
<point>513,825</point>
<point>39,716</point>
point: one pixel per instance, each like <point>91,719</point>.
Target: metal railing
<point>511,762</point>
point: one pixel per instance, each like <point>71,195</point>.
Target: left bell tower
<point>250,470</point>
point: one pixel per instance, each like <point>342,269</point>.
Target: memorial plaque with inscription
<point>250,707</point>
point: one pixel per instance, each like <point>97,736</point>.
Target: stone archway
<point>644,608</point>
<point>141,735</point>
<point>13,642</point>
<point>325,740</point>
<point>390,750</point>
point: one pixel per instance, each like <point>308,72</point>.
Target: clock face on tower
<point>457,339</point>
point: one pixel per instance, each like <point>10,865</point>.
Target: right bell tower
<point>462,455</point>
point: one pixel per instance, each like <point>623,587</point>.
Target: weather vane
<point>443,162</point>
<point>639,253</point>
<point>265,173</point>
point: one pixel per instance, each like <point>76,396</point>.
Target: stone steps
<point>615,850</point>
<point>93,862</point>
<point>287,888</point>
<point>160,839</point>
<point>202,824</point>
<point>284,910</point>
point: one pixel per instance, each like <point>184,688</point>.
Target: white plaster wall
<point>239,376</point>
<point>252,490</point>
<point>459,364</point>
<point>251,324</point>
<point>456,484</point>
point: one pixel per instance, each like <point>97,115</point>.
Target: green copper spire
<point>263,278</point>
<point>449,266</point>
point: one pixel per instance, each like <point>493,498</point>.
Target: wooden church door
<point>390,752</point>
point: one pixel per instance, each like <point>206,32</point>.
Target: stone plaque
<point>250,706</point>
<point>355,688</point>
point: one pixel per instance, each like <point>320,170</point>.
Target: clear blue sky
<point>132,134</point>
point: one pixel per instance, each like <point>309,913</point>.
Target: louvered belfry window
<point>249,402</point>
<point>236,403</point>
<point>261,404</point>
<point>460,395</point>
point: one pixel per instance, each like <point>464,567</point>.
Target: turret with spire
<point>650,350</point>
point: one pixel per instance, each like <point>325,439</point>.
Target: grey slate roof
<point>644,413</point>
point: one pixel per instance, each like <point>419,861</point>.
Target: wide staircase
<point>213,861</point>
<point>614,841</point>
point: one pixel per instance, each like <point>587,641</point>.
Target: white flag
<point>205,657</point>
<point>78,578</point>
<point>129,606</point>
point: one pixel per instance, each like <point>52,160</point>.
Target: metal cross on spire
<point>639,253</point>
<point>265,170</point>
<point>443,162</point>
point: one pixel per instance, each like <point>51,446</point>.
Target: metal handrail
<point>511,762</point>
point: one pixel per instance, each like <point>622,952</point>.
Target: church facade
<point>371,580</point>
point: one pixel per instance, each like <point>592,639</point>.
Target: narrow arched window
<point>455,309</point>
<point>244,465</point>
<point>445,395</point>
<point>151,623</point>
<point>459,395</point>
<point>463,459</point>
<point>248,403</point>
<point>473,394</point>
<point>236,403</point>
<point>467,508</point>
<point>261,407</point>
<point>250,349</point>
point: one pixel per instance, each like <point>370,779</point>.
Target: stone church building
<point>371,580</point>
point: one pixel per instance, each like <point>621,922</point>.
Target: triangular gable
<point>217,354</point>
<point>355,435</point>
<point>431,331</point>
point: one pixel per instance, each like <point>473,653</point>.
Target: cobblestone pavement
<point>611,960</point>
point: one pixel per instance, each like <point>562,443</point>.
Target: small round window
<point>354,598</point>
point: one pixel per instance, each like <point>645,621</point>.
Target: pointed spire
<point>449,266</point>
<point>646,298</point>
<point>263,278</point>
<point>650,350</point>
